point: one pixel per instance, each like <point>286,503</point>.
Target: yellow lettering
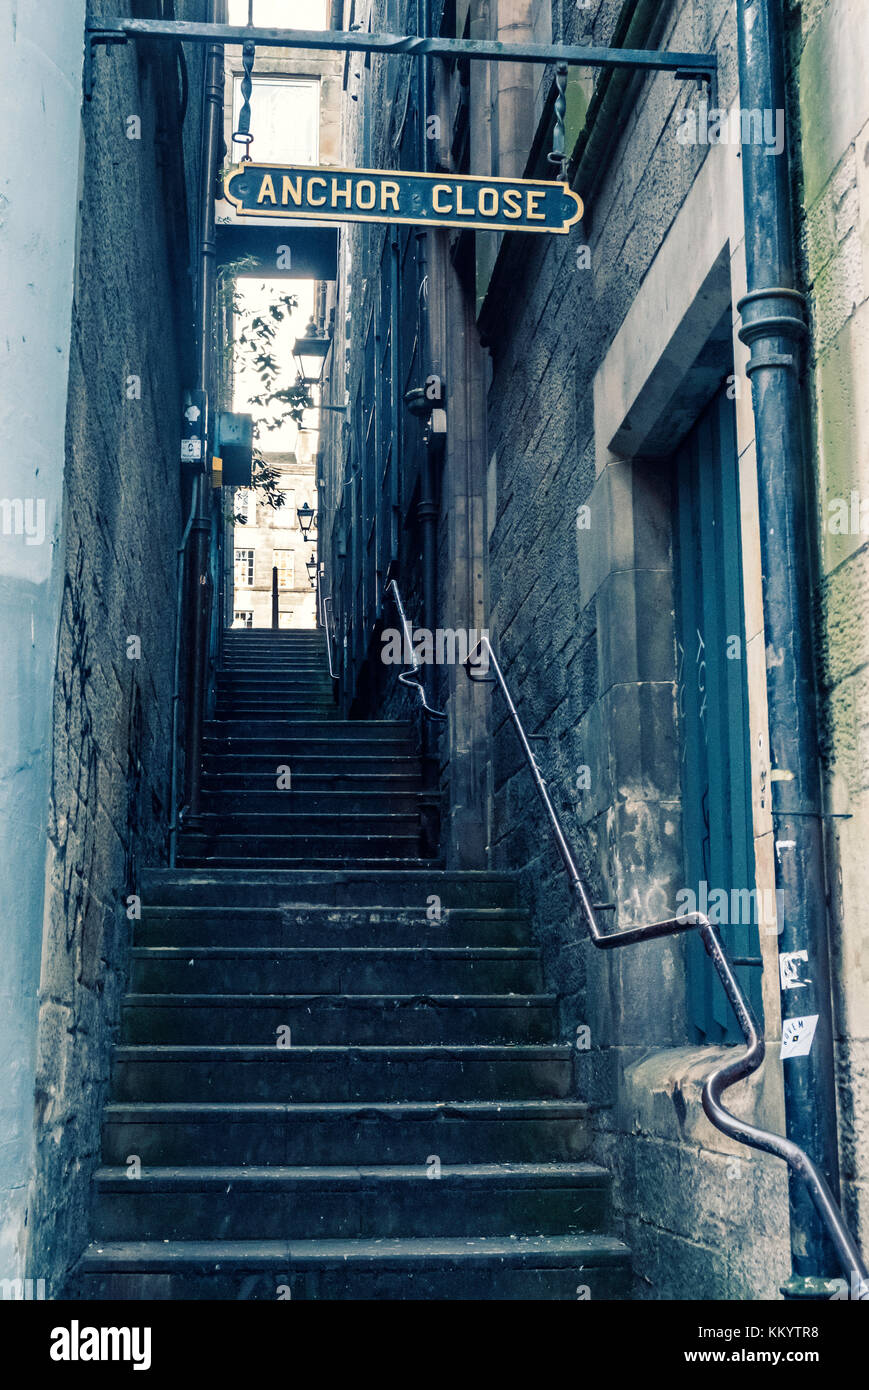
<point>488,202</point>
<point>370,198</point>
<point>267,190</point>
<point>389,192</point>
<point>345,193</point>
<point>531,201</point>
<point>512,203</point>
<point>437,206</point>
<point>461,210</point>
<point>316,202</point>
<point>292,190</point>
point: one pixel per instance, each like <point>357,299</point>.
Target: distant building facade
<point>271,538</point>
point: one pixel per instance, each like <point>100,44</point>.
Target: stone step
<point>281,669</point>
<point>529,1071</point>
<point>355,888</point>
<point>256,712</point>
<point>285,822</point>
<point>273,637</point>
<point>550,1268</point>
<point>326,773</point>
<point>406,1132</point>
<point>256,846</point>
<point>221,799</point>
<point>330,926</point>
<point>338,1018</point>
<point>265,970</point>
<point>270,678</point>
<point>332,863</point>
<point>328,1203</point>
<point>263,754</point>
<point>347,730</point>
<point>273,692</point>
<point>287,667</point>
<point>276,697</point>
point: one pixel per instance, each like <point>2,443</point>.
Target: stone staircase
<point>338,1074</point>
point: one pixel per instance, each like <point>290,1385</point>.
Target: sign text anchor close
<point>375,195</point>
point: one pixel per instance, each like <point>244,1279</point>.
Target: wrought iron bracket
<point>694,67</point>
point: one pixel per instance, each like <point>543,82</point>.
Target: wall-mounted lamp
<point>311,567</point>
<point>307,516</point>
<point>310,353</point>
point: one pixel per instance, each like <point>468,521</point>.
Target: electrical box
<point>234,447</point>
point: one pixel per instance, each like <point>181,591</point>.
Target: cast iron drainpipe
<point>427,509</point>
<point>199,590</point>
<point>174,809</point>
<point>774,327</point>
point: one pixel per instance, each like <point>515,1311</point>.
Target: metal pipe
<point>397,456</point>
<point>328,626</point>
<point>802,1170</point>
<point>275,600</point>
<point>176,685</point>
<point>417,46</point>
<point>774,326</point>
<point>201,585</point>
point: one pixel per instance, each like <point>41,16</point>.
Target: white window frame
<point>285,554</point>
<point>249,563</point>
<point>276,80</point>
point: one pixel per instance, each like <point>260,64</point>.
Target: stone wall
<point>109,798</point>
<point>40,70</point>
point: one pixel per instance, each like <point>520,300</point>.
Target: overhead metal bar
<point>694,66</point>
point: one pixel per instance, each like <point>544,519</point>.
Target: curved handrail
<point>326,618</point>
<point>412,678</point>
<point>725,1076</point>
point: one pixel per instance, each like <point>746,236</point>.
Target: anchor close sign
<point>377,195</point>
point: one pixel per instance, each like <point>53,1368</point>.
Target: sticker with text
<point>797,1035</point>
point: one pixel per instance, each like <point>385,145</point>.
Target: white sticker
<point>789,969</point>
<point>191,450</point>
<point>797,1035</point>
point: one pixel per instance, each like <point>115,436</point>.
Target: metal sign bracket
<point>691,67</point>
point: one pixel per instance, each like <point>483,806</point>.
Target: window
<point>285,562</point>
<point>285,119</point>
<point>287,513</point>
<point>281,14</point>
<point>242,618</point>
<point>285,619</point>
<point>244,569</point>
<point>713,716</point>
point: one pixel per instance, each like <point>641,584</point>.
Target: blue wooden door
<point>713,711</point>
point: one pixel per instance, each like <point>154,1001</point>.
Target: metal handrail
<point>412,678</point>
<point>797,1160</point>
<point>174,809</point>
<point>327,624</point>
